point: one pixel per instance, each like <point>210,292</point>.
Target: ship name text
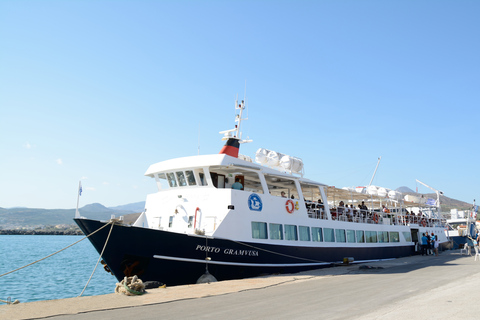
<point>233,252</point>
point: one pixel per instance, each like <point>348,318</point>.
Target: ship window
<point>382,236</point>
<point>351,236</point>
<point>224,177</point>
<point>181,179</point>
<point>291,232</point>
<point>278,184</point>
<point>408,236</point>
<point>276,231</point>
<point>304,233</point>
<point>311,192</point>
<point>394,237</point>
<point>317,234</point>
<point>170,221</point>
<point>190,178</point>
<point>328,235</point>
<point>340,235</point>
<point>171,179</point>
<point>203,181</point>
<point>360,236</point>
<point>259,230</point>
<point>371,236</point>
<point>218,180</point>
<point>190,221</point>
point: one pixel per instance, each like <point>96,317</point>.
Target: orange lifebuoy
<point>375,218</point>
<point>289,206</point>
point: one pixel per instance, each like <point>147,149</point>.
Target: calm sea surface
<point>63,275</point>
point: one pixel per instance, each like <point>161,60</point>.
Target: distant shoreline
<point>42,232</point>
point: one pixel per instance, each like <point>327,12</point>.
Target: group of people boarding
<point>429,244</point>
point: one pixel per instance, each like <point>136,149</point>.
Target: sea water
<point>63,275</point>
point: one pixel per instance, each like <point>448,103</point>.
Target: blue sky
<point>99,90</point>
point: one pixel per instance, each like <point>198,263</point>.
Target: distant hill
<point>14,218</point>
<point>405,190</point>
<point>94,207</point>
<point>27,217</point>
<point>136,207</point>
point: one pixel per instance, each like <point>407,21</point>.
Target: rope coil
<point>130,286</point>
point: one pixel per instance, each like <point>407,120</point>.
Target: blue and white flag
<point>80,188</point>
<point>431,202</point>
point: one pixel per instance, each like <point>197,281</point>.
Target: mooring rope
<point>99,258</point>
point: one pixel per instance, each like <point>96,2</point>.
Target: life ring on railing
<point>290,206</point>
<point>423,223</point>
<point>375,218</point>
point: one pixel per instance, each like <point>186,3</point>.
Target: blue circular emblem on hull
<point>254,202</point>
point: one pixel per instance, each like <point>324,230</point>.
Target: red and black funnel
<point>231,147</point>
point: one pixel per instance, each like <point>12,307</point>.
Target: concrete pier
<point>443,287</point>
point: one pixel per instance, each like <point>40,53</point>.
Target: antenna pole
<point>241,106</point>
<point>380,158</point>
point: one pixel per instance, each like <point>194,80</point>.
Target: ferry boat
<point>230,217</point>
<point>461,227</point>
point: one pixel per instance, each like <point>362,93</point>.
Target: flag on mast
<point>77,213</point>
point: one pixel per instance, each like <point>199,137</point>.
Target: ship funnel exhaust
<point>231,147</point>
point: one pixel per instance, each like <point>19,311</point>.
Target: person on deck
<point>350,212</point>
<point>363,206</point>
<point>237,185</point>
<point>340,208</point>
<point>347,210</point>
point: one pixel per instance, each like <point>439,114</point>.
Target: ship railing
<point>404,220</point>
<point>421,221</point>
<point>317,214</point>
<point>316,211</point>
<point>357,216</point>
